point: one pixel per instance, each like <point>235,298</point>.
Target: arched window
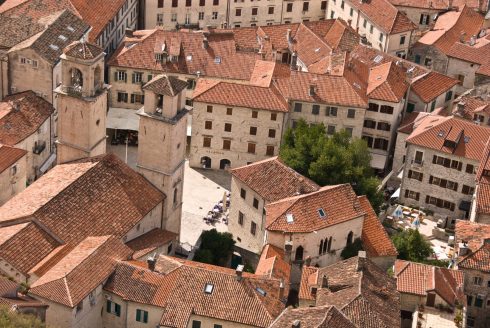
<point>329,244</point>
<point>320,250</point>
<point>325,245</point>
<point>299,254</point>
<point>76,78</point>
<point>224,164</point>
<point>349,238</point>
<point>206,162</point>
<point>175,196</point>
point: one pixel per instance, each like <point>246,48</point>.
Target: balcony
<point>77,91</point>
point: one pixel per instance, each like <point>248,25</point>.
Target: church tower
<point>81,103</point>
<point>162,143</point>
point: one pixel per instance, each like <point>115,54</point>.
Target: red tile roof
<point>362,291</point>
<point>21,115</point>
<point>243,95</point>
<point>272,264</point>
<point>473,137</point>
<point>83,50</point>
<point>467,106</point>
<point>165,85</point>
<point>449,27</point>
<point>419,279</point>
<point>471,233</point>
<point>94,197</point>
<point>333,90</point>
<point>86,267</point>
<point>387,82</point>
<point>375,239</point>
<point>178,287</point>
<point>478,53</point>
<point>150,241</point>
<point>384,15</point>
<point>260,176</point>
<point>9,156</point>
<point>478,260</point>
<point>424,4</point>
<point>432,85</point>
<point>339,203</point>
<point>313,317</point>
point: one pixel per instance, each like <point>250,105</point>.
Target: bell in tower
<point>82,103</point>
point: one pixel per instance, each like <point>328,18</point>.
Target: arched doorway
<point>206,162</point>
<point>349,238</point>
<point>224,164</point>
<point>299,254</point>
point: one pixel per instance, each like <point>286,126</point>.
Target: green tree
<point>352,249</point>
<point>330,160</point>
<point>215,247</point>
<point>412,246</point>
<point>11,319</point>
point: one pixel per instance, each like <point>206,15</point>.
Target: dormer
<point>82,70</point>
<point>163,96</point>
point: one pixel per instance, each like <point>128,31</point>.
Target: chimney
<point>288,35</point>
<point>239,272</point>
<point>294,60</point>
<point>449,4</point>
<point>361,257</point>
<point>324,281</point>
<point>349,21</point>
<point>129,32</point>
<point>462,37</point>
<point>296,324</point>
<point>151,263</point>
<point>288,248</point>
<point>311,91</point>
<point>460,108</point>
<point>205,43</point>
<point>308,261</point>
<point>281,290</point>
<point>473,40</point>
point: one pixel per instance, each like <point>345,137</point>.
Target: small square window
<point>315,109</point>
<point>256,203</point>
<point>253,130</point>
<point>253,228</point>
<point>226,144</point>
<point>298,107</point>
<point>330,129</point>
<point>227,127</point>
<point>208,289</point>
<point>351,113</point>
<point>209,109</point>
<point>269,151</point>
<point>243,193</point>
<point>255,114</point>
<point>251,148</point>
<point>272,133</point>
<point>271,10</point>
<point>273,116</point>
<point>229,111</point>
<point>206,142</point>
<point>208,125</point>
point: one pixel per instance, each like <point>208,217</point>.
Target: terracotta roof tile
<point>9,156</point>
<point>433,136</point>
<point>261,175</point>
<point>471,233</point>
<point>309,46</point>
<point>339,203</point>
<point>449,27</point>
<point>20,29</point>
<point>387,82</point>
<point>419,279</point>
<point>334,90</point>
<point>87,266</point>
<point>341,36</point>
<point>83,50</point>
<point>425,4</point>
<point>313,317</point>
<point>150,241</point>
<point>165,85</point>
<point>432,85</point>
<point>21,115</point>
<point>36,9</point>
<point>180,290</point>
<point>479,53</point>
<point>374,237</point>
<point>467,106</point>
<point>243,95</point>
<point>102,188</point>
<point>272,264</point>
<point>478,260</point>
<point>362,291</point>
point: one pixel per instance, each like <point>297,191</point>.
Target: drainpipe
<point>282,11</point>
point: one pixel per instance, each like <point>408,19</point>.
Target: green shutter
<point>138,315</point>
<point>115,76</point>
<point>149,77</point>
<point>133,77</point>
<point>118,309</point>
<point>125,77</point>
<point>145,316</point>
<point>108,306</point>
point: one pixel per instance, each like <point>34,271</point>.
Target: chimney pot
<point>296,324</point>
<point>239,272</point>
<point>151,263</point>
<point>205,43</point>
<point>129,32</point>
<point>308,261</point>
<point>324,281</point>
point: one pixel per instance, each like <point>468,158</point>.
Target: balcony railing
<point>77,91</point>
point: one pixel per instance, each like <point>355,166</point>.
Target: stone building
<point>82,103</point>
<point>378,22</point>
<point>199,14</point>
<point>441,160</point>
<point>27,123</point>
<point>472,248</point>
<point>421,13</point>
<point>14,301</point>
<point>432,49</point>
<point>108,23</point>
<point>480,207</point>
<point>201,295</point>
<point>13,177</point>
<point>255,186</point>
<point>364,293</point>
<point>431,91</point>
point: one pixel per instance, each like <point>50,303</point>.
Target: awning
<point>464,205</point>
<point>378,161</point>
<point>46,165</point>
<point>122,119</point>
<point>396,194</point>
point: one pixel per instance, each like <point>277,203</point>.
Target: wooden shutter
<point>434,159</point>
<point>406,193</point>
<point>108,306</point>
<point>430,179</point>
<point>145,316</point>
<point>133,78</point>
<point>118,309</point>
<point>138,315</point>
<point>410,174</point>
<point>417,196</point>
<point>115,76</point>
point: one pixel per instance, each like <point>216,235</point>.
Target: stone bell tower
<point>82,103</point>
<point>162,142</point>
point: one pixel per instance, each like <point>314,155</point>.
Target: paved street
<point>202,190</point>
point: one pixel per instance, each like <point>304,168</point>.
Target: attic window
<point>54,47</point>
<point>208,289</point>
<point>378,59</point>
<point>261,291</point>
<point>289,218</point>
<point>188,58</point>
<point>69,28</point>
<point>217,60</point>
<point>62,37</point>
<point>449,143</point>
<point>322,213</point>
<point>440,134</point>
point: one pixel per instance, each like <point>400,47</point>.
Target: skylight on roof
<point>261,291</point>
<point>217,60</point>
<point>317,49</point>
<point>466,139</point>
<point>440,134</point>
<point>378,59</point>
<point>69,28</point>
<point>188,57</point>
<point>54,47</point>
<point>322,213</point>
<point>62,37</point>
<point>289,218</point>
<point>208,289</point>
